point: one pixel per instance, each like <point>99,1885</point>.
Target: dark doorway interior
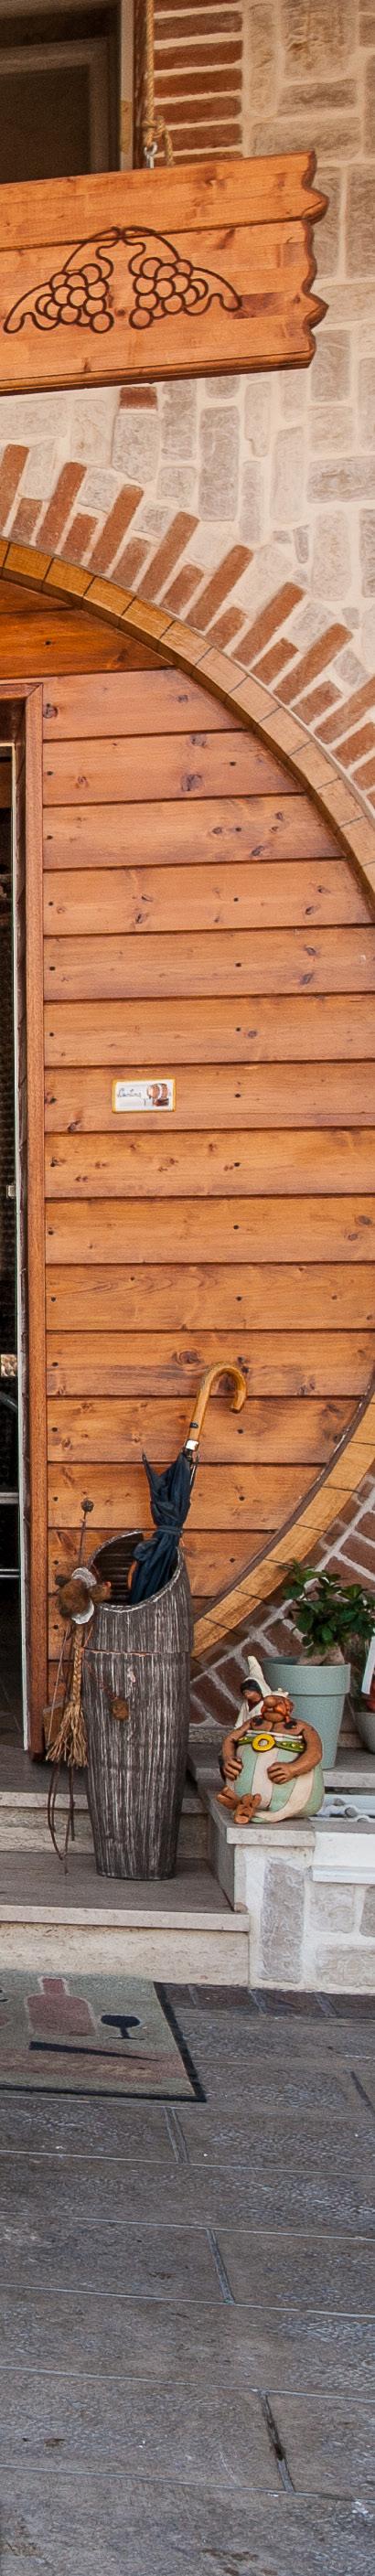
<point>10,1607</point>
<point>59,88</point>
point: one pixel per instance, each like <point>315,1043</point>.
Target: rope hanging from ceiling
<point>154,128</point>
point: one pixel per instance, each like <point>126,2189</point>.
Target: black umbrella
<point>170,1495</point>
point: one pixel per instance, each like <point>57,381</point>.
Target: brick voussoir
<point>270,618</point>
<point>131,563</point>
<point>354,745</point>
<point>221,584</point>
<point>319,654</point>
<point>182,588</point>
<point>349,711</point>
<point>275,659</point>
<point>316,702</point>
<point>162,563</point>
<point>107,546</point>
<point>226,628</point>
<point>77,544</point>
<point>60,507</point>
<point>11,468</point>
<point>25,521</point>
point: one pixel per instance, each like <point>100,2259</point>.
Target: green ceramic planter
<point>318,1692</point>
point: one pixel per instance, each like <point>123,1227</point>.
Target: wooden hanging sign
<point>158,273</point>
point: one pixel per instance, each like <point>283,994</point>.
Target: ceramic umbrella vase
<point>136,1701</point>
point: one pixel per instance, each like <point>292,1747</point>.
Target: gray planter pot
<point>319,1694</point>
<point>365,1723</point>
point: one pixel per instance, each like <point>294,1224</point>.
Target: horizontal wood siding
<point>221,828</point>
<point>139,1364</point>
<point>210,1165</point>
<point>330,1028</point>
<point>78,1100</point>
<point>200,920</point>
<point>321,1294</point>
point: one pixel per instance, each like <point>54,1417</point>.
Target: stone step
<point>23,1819</point>
<point>181,1929</point>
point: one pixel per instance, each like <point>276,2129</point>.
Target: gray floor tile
<point>354,2037</point>
<point>363,2077</point>
<point>267,2078</point>
<point>113,2191</point>
<point>207,2434</point>
<point>281,2267</point>
<point>59,2124</point>
<point>221,2139</point>
<point>104,2191</point>
<point>318,2197</point>
<point>238,2346</point>
<point>329,2443</point>
<point>335,2186</point>
<point>97,2333</point>
<point>112,2527</point>
<point>132,2261</point>
<point>224,2132</point>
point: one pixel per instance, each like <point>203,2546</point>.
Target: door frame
<point>21,712</point>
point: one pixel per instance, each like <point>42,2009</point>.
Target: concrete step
<point>179,1929</point>
<point>23,1817</point>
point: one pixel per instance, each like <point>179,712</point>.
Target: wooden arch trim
<point>345,810</point>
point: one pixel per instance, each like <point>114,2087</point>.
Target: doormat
<point>116,2037</point>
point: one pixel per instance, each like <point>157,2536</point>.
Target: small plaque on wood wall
<point>158,1092</point>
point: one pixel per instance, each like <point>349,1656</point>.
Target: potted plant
<point>334,1621</point>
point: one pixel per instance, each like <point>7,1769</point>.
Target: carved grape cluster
<point>164,286</point>
<point>77,295</point>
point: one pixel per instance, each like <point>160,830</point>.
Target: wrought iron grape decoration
<point>164,283</point>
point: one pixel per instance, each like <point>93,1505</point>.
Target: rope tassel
<point>70,1747</point>
<point>71,1741</point>
<point>154,129</point>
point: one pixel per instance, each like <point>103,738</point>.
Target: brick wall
<point>198,75</point>
<point>349,1552</point>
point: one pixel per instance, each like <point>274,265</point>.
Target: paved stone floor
<point>187,2309</point>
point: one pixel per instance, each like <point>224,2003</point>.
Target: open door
<point>11,1696</point>
<point>22,1296</point>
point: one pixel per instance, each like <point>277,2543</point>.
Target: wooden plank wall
<point>199,920</point>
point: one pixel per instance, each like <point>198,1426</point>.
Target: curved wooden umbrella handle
<point>210,1380</point>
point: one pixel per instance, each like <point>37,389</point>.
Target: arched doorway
<point>205,922</point>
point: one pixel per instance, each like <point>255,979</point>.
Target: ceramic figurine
<point>272,1762</point>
